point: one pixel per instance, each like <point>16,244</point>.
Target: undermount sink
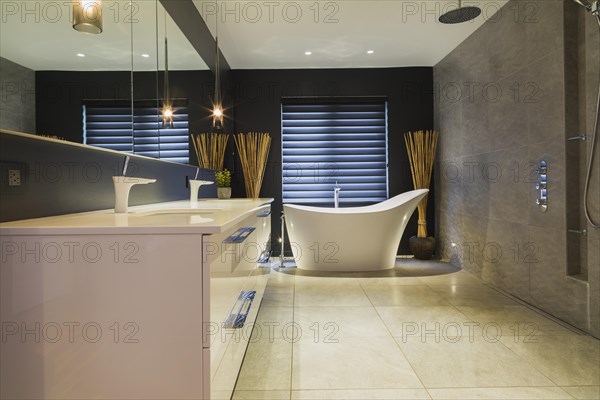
<point>177,211</point>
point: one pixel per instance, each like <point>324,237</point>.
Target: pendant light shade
<point>87,16</point>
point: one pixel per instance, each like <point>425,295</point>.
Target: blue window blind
<point>327,142</point>
<point>109,127</point>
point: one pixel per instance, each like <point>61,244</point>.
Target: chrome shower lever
<point>542,186</point>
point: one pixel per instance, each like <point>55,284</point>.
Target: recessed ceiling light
<point>370,51</point>
<point>145,55</point>
<point>308,53</point>
<point>80,55</point>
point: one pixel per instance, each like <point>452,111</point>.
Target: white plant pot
<point>224,192</point>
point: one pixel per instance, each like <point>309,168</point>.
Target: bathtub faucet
<point>336,195</point>
<point>282,253</point>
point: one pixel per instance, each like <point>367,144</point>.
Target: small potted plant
<point>223,184</point>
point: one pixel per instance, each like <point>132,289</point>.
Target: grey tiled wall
<point>501,108</point>
<point>17,97</point>
<point>592,81</point>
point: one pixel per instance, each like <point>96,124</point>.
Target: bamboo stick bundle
<point>421,147</point>
<point>253,149</point>
<point>210,149</point>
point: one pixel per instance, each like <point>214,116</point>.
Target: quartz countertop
<point>178,217</point>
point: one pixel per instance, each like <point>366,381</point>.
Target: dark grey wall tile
<point>476,185</point>
<point>17,97</point>
<point>507,255</point>
<point>447,81</point>
<point>593,246</point>
<point>546,103</point>
<point>509,193</point>
<point>11,120</point>
<point>476,72</point>
<point>450,129</point>
<point>474,238</point>
<point>507,51</point>
<point>508,116</point>
<point>475,125</point>
<point>543,26</point>
<point>520,58</point>
<point>551,290</point>
<point>592,51</point>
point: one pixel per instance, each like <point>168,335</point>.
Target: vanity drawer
<point>231,264</point>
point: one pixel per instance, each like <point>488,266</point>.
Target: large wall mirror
<point>105,89</point>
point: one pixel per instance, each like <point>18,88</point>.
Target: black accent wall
<point>253,104</point>
<point>409,92</point>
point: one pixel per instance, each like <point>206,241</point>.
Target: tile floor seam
<point>542,313</point>
<point>500,387</point>
<point>462,313</point>
<point>567,386</point>
<point>399,348</point>
<point>528,363</point>
<point>291,388</point>
<point>495,387</point>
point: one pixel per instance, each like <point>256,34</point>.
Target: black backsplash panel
<point>61,178</point>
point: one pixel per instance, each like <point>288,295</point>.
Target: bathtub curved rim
<point>385,205</point>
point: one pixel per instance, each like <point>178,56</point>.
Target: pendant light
<point>217,105</point>
<point>167,110</point>
<point>87,16</point>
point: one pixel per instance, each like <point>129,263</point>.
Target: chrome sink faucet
<point>123,185</point>
<point>336,195</point>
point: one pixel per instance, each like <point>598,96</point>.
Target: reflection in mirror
<point>54,67</point>
<point>158,47</point>
<point>95,89</point>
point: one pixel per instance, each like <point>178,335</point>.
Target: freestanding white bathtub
<point>350,239</point>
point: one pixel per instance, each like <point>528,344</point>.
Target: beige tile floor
<point>391,337</point>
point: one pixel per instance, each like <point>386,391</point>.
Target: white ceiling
<point>400,32</point>
<point>252,35</point>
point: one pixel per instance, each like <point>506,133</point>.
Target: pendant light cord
<point>131,88</point>
<point>217,64</point>
<point>166,80</point>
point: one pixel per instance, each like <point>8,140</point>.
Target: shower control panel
<point>542,186</point>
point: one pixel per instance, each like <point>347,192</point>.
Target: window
<point>109,126</point>
<point>327,142</point>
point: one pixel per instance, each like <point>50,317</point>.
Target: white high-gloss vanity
<point>147,304</point>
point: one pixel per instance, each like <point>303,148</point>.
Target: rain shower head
<point>461,14</point>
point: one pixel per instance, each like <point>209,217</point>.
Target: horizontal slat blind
<point>111,128</point>
<point>325,143</point>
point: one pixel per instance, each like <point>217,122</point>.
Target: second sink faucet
<point>336,195</point>
<point>195,187</point>
<point>123,185</point>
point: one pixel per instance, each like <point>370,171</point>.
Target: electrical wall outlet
<point>14,177</point>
